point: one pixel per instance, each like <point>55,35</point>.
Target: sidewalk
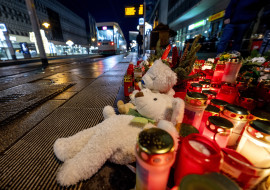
<point>30,162</point>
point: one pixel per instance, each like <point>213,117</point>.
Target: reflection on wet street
<point>39,106</point>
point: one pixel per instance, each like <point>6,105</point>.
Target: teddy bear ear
<point>178,111</point>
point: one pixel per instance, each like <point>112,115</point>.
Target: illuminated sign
<point>130,11</point>
<point>135,10</point>
<point>140,10</point>
<point>104,27</point>
<point>197,25</point>
<point>216,16</point>
<point>3,27</point>
<point>141,21</point>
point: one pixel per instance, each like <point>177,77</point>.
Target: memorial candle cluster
<point>230,136</point>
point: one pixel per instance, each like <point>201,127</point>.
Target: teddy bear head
<point>159,78</point>
<point>159,106</point>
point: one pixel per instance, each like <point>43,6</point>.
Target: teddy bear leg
<point>66,148</point>
<point>88,161</point>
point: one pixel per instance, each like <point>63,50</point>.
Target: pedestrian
<point>238,18</point>
<point>139,40</point>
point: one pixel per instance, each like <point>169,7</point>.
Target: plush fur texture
<point>124,108</point>
<point>113,139</point>
<point>160,78</point>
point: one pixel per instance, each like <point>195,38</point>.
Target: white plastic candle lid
<point>199,147</point>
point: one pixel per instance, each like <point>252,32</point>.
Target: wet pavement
<point>38,106</point>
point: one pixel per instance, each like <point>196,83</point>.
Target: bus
<point>110,38</point>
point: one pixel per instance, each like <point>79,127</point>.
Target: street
<point>38,106</point>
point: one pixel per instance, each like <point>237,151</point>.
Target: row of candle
<point>198,154</point>
<point>232,141</point>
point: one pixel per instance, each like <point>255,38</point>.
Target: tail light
<point>99,44</point>
<point>112,43</point>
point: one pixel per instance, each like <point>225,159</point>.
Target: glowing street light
<point>93,39</point>
<point>69,43</point>
<point>46,24</point>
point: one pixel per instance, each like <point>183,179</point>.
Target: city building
<point>64,34</point>
<point>192,17</point>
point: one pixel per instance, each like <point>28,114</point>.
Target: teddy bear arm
<point>66,148</point>
<point>88,161</point>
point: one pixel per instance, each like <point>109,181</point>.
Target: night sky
<point>105,11</point>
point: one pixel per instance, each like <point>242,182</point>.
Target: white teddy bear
<point>160,78</point>
<point>114,139</point>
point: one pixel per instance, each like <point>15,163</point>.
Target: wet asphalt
<point>35,101</point>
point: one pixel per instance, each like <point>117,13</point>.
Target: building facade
<point>192,17</point>
<point>65,26</point>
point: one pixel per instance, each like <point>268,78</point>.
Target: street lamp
<point>47,26</point>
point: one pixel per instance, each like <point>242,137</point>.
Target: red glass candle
<point>231,71</point>
<point>210,95</point>
<point>195,103</point>
<point>215,87</point>
<point>130,69</point>
<point>228,93</point>
<point>195,87</point>
<point>259,114</point>
<point>219,71</point>
<point>128,85</point>
<point>239,117</point>
<point>218,129</point>
<point>155,155</point>
<point>198,155</point>
<point>241,85</point>
<point>238,168</point>
<point>246,102</point>
<point>209,111</point>
<point>201,77</point>
<point>218,103</point>
<point>205,85</point>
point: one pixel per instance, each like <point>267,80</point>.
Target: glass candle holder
<point>255,146</point>
<point>201,77</point>
<point>218,73</point>
<point>259,114</point>
<point>205,85</point>
<point>215,87</point>
<point>245,102</point>
<point>218,129</point>
<point>198,155</point>
<point>239,117</point>
<point>195,103</point>
<point>209,74</point>
<point>209,111</point>
<point>241,85</point>
<point>128,85</point>
<point>195,87</point>
<point>231,71</point>
<point>155,155</point>
<point>210,181</point>
<point>228,93</point>
<point>241,170</point>
<point>210,95</point>
<point>255,143</point>
<point>218,103</point>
